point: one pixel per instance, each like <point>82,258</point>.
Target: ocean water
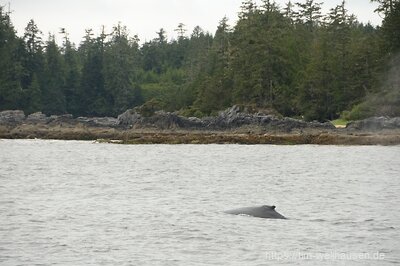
<point>85,203</point>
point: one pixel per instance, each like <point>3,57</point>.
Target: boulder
<point>231,118</point>
<point>37,117</point>
<point>65,119</point>
<point>234,118</point>
<point>98,121</point>
<point>12,117</point>
<point>129,118</point>
<point>375,123</point>
<point>160,119</point>
<point>164,120</point>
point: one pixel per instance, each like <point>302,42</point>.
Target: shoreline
<point>245,136</point>
<point>231,126</point>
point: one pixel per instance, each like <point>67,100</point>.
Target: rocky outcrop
<point>161,120</point>
<point>129,118</point>
<point>16,117</point>
<point>234,125</point>
<point>99,121</point>
<point>37,117</point>
<point>234,118</point>
<point>231,118</point>
<point>12,117</point>
<point>374,124</point>
<point>40,118</point>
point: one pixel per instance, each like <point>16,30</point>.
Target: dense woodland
<point>292,59</point>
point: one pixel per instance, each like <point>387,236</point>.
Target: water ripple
<point>79,203</point>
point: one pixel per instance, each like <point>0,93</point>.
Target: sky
<point>143,17</point>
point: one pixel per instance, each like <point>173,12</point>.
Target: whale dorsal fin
<point>269,207</point>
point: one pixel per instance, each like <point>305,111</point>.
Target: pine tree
<point>94,100</point>
<point>72,75</point>
<point>33,38</point>
<point>385,6</point>
<point>288,11</point>
<point>391,28</point>
<point>310,13</point>
<point>162,36</point>
<point>12,71</point>
<point>247,9</point>
<point>53,97</point>
<point>214,82</point>
<point>120,69</point>
<point>34,96</point>
<point>181,31</point>
<point>34,64</point>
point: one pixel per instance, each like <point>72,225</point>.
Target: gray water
<point>83,203</point>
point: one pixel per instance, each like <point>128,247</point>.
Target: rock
<point>105,121</point>
<point>61,118</point>
<point>98,121</point>
<point>129,118</point>
<point>231,118</point>
<point>160,119</point>
<point>12,117</point>
<point>234,118</point>
<point>37,117</point>
<point>164,120</point>
<point>65,119</point>
<point>375,123</point>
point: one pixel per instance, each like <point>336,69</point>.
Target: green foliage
<point>385,102</point>
<point>391,27</point>
<point>340,122</point>
<point>119,69</point>
<point>34,96</point>
<point>12,71</point>
<point>360,111</point>
<point>53,97</point>
<point>295,61</point>
<point>192,112</point>
<point>149,108</point>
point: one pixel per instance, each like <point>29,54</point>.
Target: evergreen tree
<point>94,100</point>
<point>34,64</point>
<point>33,38</point>
<point>385,6</point>
<point>292,60</point>
<point>12,71</point>
<point>72,75</point>
<point>391,27</point>
<point>53,97</point>
<point>258,57</point>
<point>214,82</point>
<point>120,70</point>
<point>247,9</point>
<point>34,103</point>
<point>310,13</point>
<point>181,30</point>
<point>162,36</point>
<point>288,10</point>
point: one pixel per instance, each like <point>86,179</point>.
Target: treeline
<point>294,60</point>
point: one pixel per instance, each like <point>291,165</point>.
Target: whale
<point>264,211</point>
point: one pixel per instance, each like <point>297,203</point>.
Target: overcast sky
<point>143,17</point>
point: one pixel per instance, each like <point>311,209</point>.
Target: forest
<point>292,60</point>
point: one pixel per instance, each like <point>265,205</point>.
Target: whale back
<point>264,211</point>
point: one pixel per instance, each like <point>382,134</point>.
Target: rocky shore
<point>234,125</point>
